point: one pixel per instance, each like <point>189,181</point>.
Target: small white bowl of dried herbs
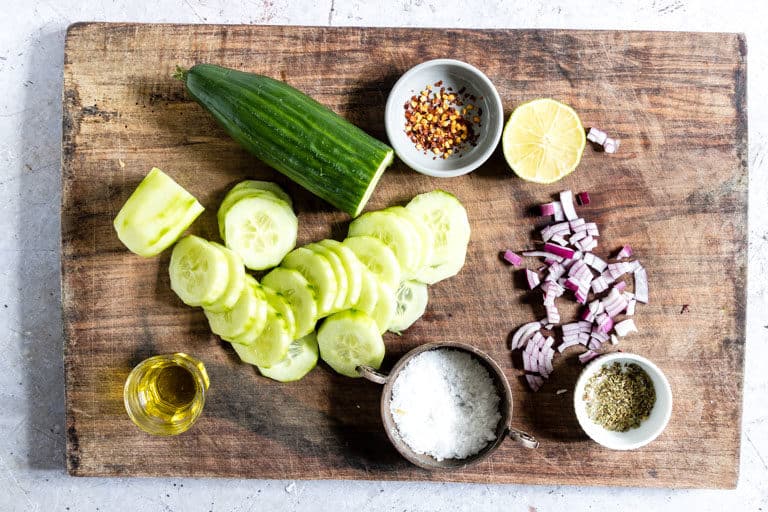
<point>623,401</point>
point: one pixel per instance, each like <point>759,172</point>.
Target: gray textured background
<point>32,474</point>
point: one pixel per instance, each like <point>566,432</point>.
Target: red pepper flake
<point>436,122</point>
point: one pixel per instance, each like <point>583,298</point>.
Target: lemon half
<point>543,140</point>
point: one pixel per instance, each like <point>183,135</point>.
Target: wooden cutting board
<point>676,191</point>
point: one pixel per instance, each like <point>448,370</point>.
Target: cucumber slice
<point>447,219</point>
<point>269,186</point>
<point>301,358</point>
<point>234,322</point>
<point>261,231</point>
<point>349,339</point>
<point>426,239</point>
<point>431,275</point>
<point>352,267</point>
<point>271,346</point>
<point>317,270</point>
<point>199,271</point>
<point>384,311</point>
<point>377,257</point>
<point>299,294</point>
<point>155,215</point>
<point>342,282</point>
<point>281,305</point>
<point>411,301</point>
<point>258,318</point>
<point>233,196</point>
<point>369,293</point>
<point>395,232</point>
<point>236,281</point>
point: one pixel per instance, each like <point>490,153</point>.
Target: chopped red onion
<point>534,381</point>
<point>547,209</point>
<point>631,307</point>
<point>566,200</point>
<point>572,327</point>
<point>550,355</point>
<point>620,286</point>
<point>583,198</point>
<point>611,145</point>
<point>558,211</point>
<point>588,244</point>
<point>599,284</point>
<point>625,327</point>
<point>583,338</point>
<point>585,326</point>
<point>604,323</point>
<point>559,240</point>
<point>634,265</point>
<point>556,271</point>
<point>597,136</point>
<point>553,315</point>
<point>578,221</point>
<point>565,344</point>
<point>577,236</point>
<point>588,356</point>
<point>572,284</point>
<point>542,254</point>
<point>524,331</point>
<point>625,252</point>
<point>513,258</point>
<point>563,252</point>
<point>533,278</point>
<point>592,229</point>
<point>549,327</point>
<point>594,262</point>
<point>580,227</point>
<point>641,285</point>
<point>614,340</point>
<point>548,343</point>
<point>594,344</point>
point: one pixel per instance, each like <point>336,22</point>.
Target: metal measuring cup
<point>503,429</point>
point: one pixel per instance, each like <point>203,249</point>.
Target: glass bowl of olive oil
<point>164,395</point>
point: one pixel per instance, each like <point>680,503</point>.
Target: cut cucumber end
<point>388,159</point>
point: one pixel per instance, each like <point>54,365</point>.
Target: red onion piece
<point>625,252</point>
<point>572,327</point>
<point>566,200</point>
<point>597,136</point>
<point>558,250</point>
<point>631,307</point>
<point>542,254</point>
<point>583,198</point>
<point>577,236</point>
<point>548,357</point>
<point>524,331</point>
<point>594,344</point>
<point>513,258</point>
<point>641,285</point>
<point>594,262</point>
<point>583,338</point>
<point>547,209</point>
<point>532,277</point>
<point>558,211</point>
<point>625,327</point>
<point>565,344</point>
<point>534,381</point>
<point>620,286</point>
<point>559,240</point>
<point>578,221</point>
<point>588,356</point>
<point>614,340</point>
<point>556,271</point>
<point>611,145</point>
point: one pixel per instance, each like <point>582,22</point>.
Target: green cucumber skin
<point>293,133</point>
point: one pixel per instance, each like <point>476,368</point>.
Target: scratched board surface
<point>676,191</point>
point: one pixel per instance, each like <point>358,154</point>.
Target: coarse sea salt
<point>445,404</point>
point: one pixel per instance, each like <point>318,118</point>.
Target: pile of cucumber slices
<point>330,299</point>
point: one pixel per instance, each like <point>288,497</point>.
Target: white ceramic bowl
<point>648,429</point>
<point>455,74</point>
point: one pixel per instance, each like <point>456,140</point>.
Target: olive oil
<point>164,395</point>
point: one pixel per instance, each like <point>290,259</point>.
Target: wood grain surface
<point>676,191</point>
